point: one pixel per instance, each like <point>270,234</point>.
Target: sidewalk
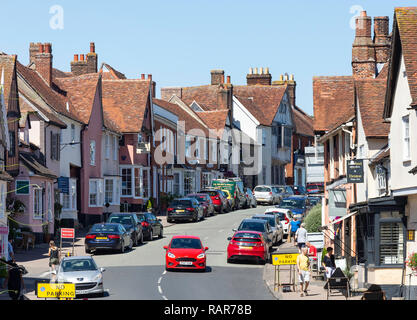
<point>36,261</point>
<point>316,289</point>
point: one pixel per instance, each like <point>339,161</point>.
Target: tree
<point>313,219</point>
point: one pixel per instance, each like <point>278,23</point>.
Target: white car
<point>285,216</point>
<point>266,195</point>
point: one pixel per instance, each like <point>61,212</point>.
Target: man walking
<point>301,237</point>
<point>294,225</point>
<point>303,269</point>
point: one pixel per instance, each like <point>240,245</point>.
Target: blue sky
<point>180,41</point>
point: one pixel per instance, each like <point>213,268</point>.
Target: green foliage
<point>324,252</point>
<point>313,219</point>
<point>3,269</point>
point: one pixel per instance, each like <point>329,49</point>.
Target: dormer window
<point>92,153</point>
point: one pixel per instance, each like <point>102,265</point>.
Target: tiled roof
<point>262,101</point>
<point>32,164</point>
<point>112,74</point>
<point>303,123</point>
<point>371,96</point>
<point>333,99</point>
<point>206,96</point>
<point>124,101</point>
<point>55,100</point>
<point>215,120</point>
<point>407,25</point>
<point>7,63</point>
<point>380,155</point>
<point>188,116</point>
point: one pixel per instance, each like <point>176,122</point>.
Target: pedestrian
<point>294,225</point>
<point>301,237</point>
<point>10,252</point>
<point>15,281</point>
<point>303,269</point>
<point>329,262</point>
<point>312,254</point>
<point>53,255</point>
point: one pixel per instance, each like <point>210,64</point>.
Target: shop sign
<point>355,171</point>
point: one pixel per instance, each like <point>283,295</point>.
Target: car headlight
<point>201,256</point>
<point>171,255</point>
<point>98,277</point>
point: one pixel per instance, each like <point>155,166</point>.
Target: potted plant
<point>411,262</point>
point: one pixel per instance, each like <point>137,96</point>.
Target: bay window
<point>135,182</point>
<point>37,203</point>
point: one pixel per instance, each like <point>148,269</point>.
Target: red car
<point>220,203</point>
<point>185,252</point>
<point>247,245</point>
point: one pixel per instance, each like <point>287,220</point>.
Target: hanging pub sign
<point>355,171</point>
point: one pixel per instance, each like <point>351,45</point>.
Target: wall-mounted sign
<point>63,185</point>
<point>355,171</point>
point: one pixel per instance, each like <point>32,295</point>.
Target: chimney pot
<point>261,70</point>
<point>292,77</point>
<point>363,14</point>
<point>222,78</point>
<point>255,70</point>
<point>228,79</point>
<point>250,70</point>
<point>92,47</point>
<point>81,57</point>
<point>149,77</point>
<point>41,48</point>
<point>47,48</point>
<point>76,57</point>
<point>266,70</point>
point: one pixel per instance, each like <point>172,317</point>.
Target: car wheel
<point>229,261</point>
<point>122,247</point>
<point>161,234</point>
<point>150,238</point>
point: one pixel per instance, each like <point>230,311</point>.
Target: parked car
<point>219,201</point>
<point>284,191</point>
<point>185,252</point>
<point>151,226</point>
<point>230,200</point>
<point>236,189</point>
<point>299,190</point>
<point>185,209</point>
<point>275,224</point>
<point>313,188</point>
<point>314,200</point>
<point>265,194</point>
<point>205,201</point>
<point>285,216</point>
<point>84,273</point>
<point>130,221</point>
<point>247,245</point>
<point>252,203</point>
<point>259,226</point>
<point>111,236</point>
<point>297,204</point>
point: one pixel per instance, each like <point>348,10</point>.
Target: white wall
<point>70,154</point>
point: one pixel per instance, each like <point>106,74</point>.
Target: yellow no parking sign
<point>56,290</point>
<point>284,259</point>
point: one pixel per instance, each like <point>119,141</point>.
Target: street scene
<point>140,174</point>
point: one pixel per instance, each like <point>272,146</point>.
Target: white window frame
<point>99,193</point>
<point>92,152</point>
<point>331,157</point>
<point>406,138</point>
<point>115,190</point>
<point>72,196</point>
<point>37,207</point>
<point>115,148</point>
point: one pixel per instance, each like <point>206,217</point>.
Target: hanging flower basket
<point>411,262</point>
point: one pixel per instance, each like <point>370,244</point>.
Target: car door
<point>155,224</point>
<point>124,234</point>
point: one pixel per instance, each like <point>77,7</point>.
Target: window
<point>107,146</point>
<point>22,187</point>
<point>188,146</point>
<point>189,182</point>
<point>37,203</point>
<point>406,137</point>
<point>55,146</point>
<point>206,180</point>
<point>126,182</point>
<point>69,201</point>
<point>287,137</point>
<point>95,194</point>
<point>108,191</point>
<point>92,153</point>
<point>137,183</point>
<point>391,249</point>
<point>145,183</point>
<point>279,137</point>
<point>177,190</point>
<point>72,133</point>
<point>115,148</point>
<point>213,151</point>
<point>12,138</point>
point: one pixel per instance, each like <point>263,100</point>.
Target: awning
<point>339,220</point>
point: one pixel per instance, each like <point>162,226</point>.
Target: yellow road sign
<point>284,259</point>
<point>56,290</point>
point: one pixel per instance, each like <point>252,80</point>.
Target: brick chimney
<point>167,93</point>
<point>382,41</point>
<point>363,51</point>
<point>43,61</point>
<point>153,85</point>
<point>92,59</point>
<point>217,77</point>
<point>79,66</point>
<point>291,86</point>
<point>263,77</point>
<point>33,51</point>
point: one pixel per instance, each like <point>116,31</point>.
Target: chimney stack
<point>79,66</point>
<point>228,79</point>
<point>217,77</point>
<point>382,41</point>
<point>153,85</point>
<point>291,86</point>
<point>142,76</point>
<point>92,59</point>
<point>43,61</point>
<point>363,51</point>
<point>261,78</point>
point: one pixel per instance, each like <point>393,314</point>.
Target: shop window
<point>391,249</point>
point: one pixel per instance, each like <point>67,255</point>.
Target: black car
<point>107,236</point>
<point>205,201</point>
<point>130,221</point>
<point>185,209</point>
<point>151,225</point>
<point>259,226</point>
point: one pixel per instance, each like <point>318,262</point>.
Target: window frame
<point>37,196</point>
<point>406,138</point>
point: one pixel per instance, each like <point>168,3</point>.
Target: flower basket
<point>411,262</point>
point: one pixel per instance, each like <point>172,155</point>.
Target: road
<point>140,273</point>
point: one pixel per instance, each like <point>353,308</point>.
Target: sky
<point>180,41</point>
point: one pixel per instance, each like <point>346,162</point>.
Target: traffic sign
<point>67,233</point>
<point>284,259</point>
<point>56,290</point>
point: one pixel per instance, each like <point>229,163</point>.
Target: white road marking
<point>164,272</point>
<point>159,280</point>
<point>160,290</point>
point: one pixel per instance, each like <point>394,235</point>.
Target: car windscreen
<point>262,189</point>
<point>281,215</point>
<point>185,243</point>
<point>105,228</point>
<point>127,220</point>
<point>292,203</point>
<point>271,220</point>
<point>79,265</point>
<point>181,203</point>
<point>254,226</point>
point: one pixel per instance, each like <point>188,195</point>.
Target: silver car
<point>83,272</point>
<point>266,194</point>
<point>277,229</point>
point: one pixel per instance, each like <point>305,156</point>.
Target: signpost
<point>284,259</point>
<point>67,233</point>
<point>355,171</point>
